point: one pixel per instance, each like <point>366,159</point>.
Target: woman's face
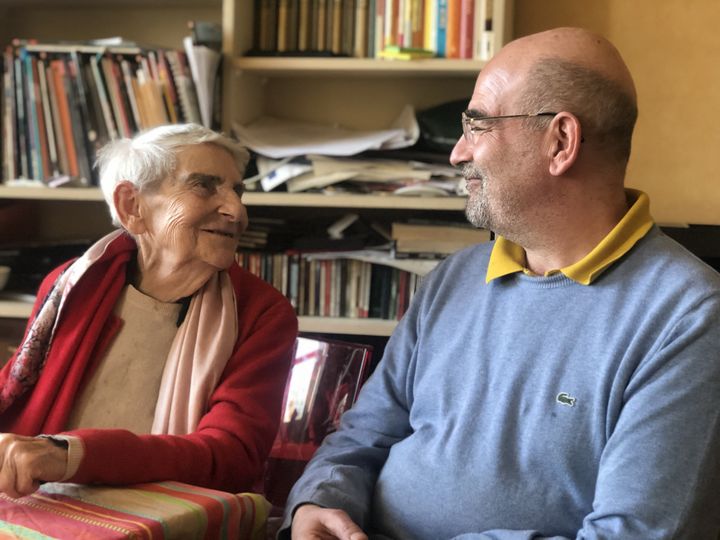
<point>196,214</point>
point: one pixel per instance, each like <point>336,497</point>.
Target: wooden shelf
<point>283,66</point>
<point>51,194</point>
<point>309,200</point>
<point>360,327</point>
<point>13,309</point>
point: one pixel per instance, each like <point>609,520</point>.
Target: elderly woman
<point>153,356</point>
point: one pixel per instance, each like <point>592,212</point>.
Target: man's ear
<point>126,198</point>
<point>566,133</point>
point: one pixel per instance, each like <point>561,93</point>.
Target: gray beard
<point>477,210</point>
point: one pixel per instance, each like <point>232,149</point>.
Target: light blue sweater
<point>535,407</point>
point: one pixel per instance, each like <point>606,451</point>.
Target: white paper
<point>420,267</point>
<point>204,63</point>
<point>277,138</point>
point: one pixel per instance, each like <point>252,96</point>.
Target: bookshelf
<point>358,93</point>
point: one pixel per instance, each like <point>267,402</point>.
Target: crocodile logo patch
<point>565,399</point>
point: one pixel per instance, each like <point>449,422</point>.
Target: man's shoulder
<point>665,258</point>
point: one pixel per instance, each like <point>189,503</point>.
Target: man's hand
<point>313,522</point>
<point>25,462</point>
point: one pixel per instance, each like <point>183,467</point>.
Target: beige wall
<point>673,50</point>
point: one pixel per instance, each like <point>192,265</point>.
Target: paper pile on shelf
<point>278,138</point>
<point>357,174</point>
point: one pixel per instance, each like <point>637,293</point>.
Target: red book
<point>467,23</point>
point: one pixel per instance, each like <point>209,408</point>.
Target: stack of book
<point>61,103</point>
<point>434,239</point>
<point>367,28</point>
<point>335,287</point>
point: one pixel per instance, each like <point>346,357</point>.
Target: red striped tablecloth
<point>159,510</point>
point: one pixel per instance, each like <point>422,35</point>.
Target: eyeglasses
<point>474,126</point>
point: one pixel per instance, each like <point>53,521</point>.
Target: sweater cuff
<point>75,454</point>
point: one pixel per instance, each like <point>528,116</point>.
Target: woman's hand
<point>25,462</point>
<point>315,523</point>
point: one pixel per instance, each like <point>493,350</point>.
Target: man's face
<point>501,166</point>
<point>196,215</point>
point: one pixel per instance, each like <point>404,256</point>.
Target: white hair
<point>151,156</point>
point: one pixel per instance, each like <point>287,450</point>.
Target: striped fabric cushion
<point>159,510</point>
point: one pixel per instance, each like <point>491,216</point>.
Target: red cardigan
<point>229,448</point>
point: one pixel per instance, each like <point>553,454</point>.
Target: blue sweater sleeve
<point>343,471</point>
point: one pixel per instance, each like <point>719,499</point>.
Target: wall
<point>673,49</point>
<point>151,25</point>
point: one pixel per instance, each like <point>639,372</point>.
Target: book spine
<point>442,23</point>
<point>78,125</point>
<point>283,30</point>
<point>452,32</point>
<point>417,30</point>
<point>304,24</point>
<point>130,83</point>
<point>47,120</point>
<point>36,166</point>
<point>361,28</point>
<point>114,97</point>
<point>347,38</point>
<point>467,19</point>
<point>102,89</point>
<point>168,89</point>
<point>484,37</point>
<point>379,23</point>
<point>59,75</point>
<point>336,27</point>
<point>430,21</point>
<point>9,134</point>
<point>63,162</point>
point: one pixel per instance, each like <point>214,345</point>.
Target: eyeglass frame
<point>467,118</point>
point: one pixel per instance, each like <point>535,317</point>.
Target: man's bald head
<point>574,70</point>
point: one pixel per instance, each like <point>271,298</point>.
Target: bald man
<point>561,382</point>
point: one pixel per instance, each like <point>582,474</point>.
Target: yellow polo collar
<point>508,258</point>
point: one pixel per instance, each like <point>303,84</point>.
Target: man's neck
<point>571,238</point>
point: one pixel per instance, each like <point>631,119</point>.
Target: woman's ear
<point>567,137</point>
<point>126,198</point>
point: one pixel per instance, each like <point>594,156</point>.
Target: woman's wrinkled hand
<point>26,462</point>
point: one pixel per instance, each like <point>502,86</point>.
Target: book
<point>361,28</point>
<point>379,27</point>
<point>347,36</point>
<point>78,126</point>
<point>304,42</point>
<point>103,96</point>
<point>430,22</point>
<point>417,30</point>
<point>402,53</point>
<point>8,116</point>
<point>452,31</point>
<point>54,169</point>
<point>335,26</point>
<point>435,238</point>
<point>467,21</point>
<point>62,154</point>
<point>441,32</point>
<point>484,40</point>
<point>61,85</point>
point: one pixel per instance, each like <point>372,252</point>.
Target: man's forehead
<point>494,91</point>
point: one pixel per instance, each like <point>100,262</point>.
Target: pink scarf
<point>198,355</point>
